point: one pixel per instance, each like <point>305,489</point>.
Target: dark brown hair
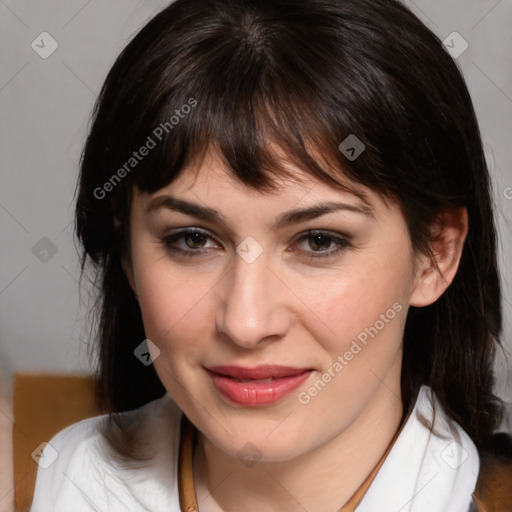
<point>302,75</point>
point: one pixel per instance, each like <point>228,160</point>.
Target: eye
<point>323,244</point>
<point>192,242</point>
<point>188,242</point>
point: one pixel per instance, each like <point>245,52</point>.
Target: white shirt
<point>423,472</point>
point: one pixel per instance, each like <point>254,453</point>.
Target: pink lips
<point>257,386</point>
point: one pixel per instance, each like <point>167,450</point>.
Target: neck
<point>322,479</point>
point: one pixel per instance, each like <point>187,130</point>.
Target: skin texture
<point>289,309</point>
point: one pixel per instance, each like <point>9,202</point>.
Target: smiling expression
<point>229,276</point>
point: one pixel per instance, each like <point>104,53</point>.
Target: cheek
<point>173,304</point>
<point>362,302</point>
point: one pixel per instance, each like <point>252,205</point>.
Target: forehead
<point>209,179</point>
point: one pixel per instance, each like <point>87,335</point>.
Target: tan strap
<point>187,493</point>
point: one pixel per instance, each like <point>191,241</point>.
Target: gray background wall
<point>45,105</point>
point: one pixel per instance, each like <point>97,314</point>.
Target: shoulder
<point>80,471</point>
<point>433,459</point>
<point>493,478</point>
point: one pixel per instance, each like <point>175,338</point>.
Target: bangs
<point>258,134</point>
<point>242,87</point>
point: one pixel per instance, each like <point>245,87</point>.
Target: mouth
<point>262,385</point>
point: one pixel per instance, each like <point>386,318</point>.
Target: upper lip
<point>260,372</point>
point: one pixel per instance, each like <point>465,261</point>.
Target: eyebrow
<point>285,219</point>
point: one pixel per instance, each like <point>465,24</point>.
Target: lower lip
<point>257,393</point>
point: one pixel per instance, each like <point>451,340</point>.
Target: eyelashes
<point>192,243</point>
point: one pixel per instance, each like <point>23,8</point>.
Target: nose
<point>252,310</point>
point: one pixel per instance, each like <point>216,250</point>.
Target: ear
<point>435,272</point>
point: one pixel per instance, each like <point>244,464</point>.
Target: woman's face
<point>250,287</point>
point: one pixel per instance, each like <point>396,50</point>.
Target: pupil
<point>196,238</point>
<point>316,238</point>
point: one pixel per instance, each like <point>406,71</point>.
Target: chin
<point>253,441</point>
